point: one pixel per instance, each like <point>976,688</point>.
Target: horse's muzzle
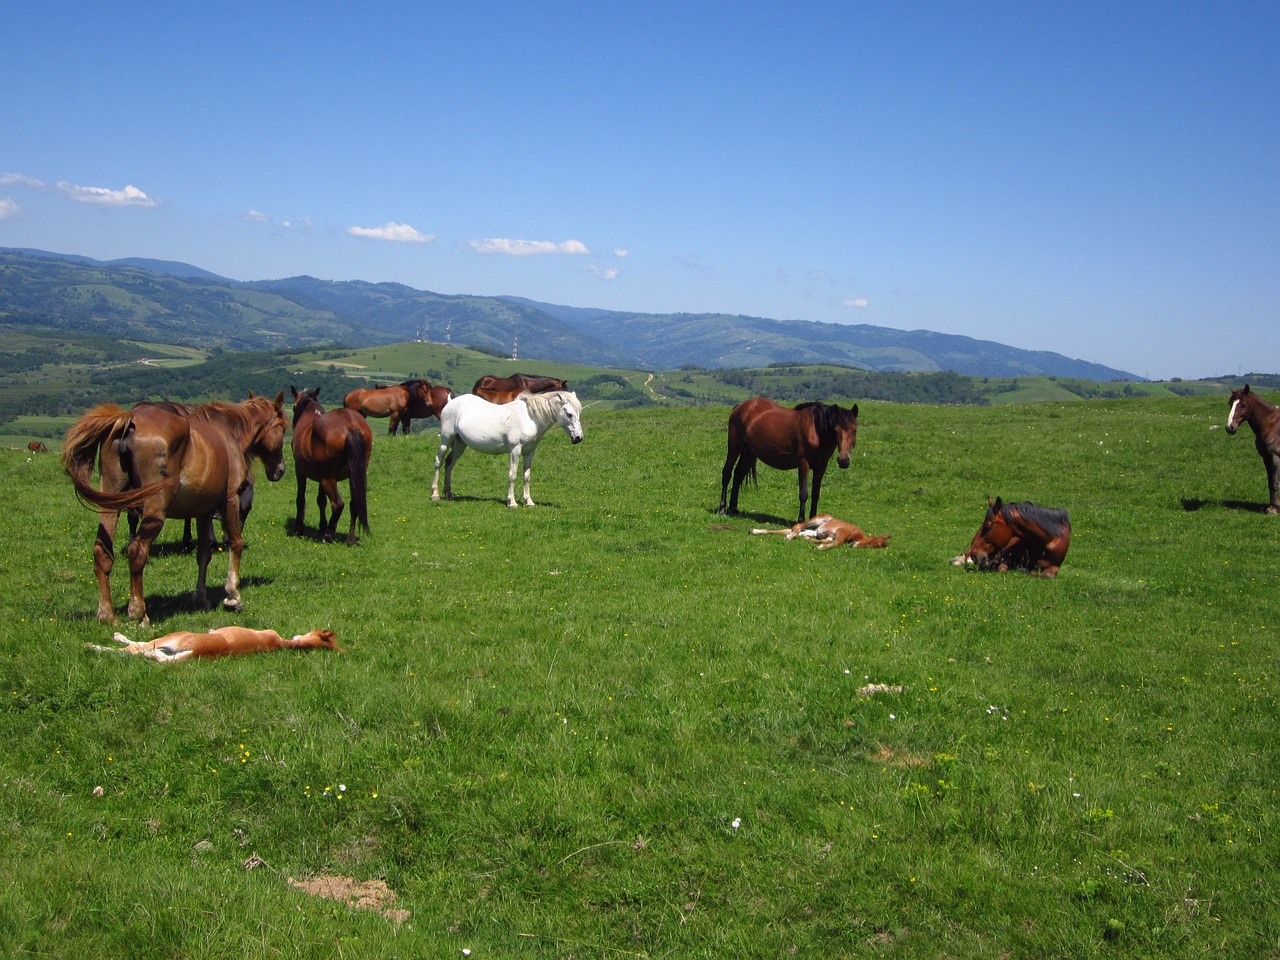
<point>843,462</point>
<point>576,439</point>
<point>276,472</point>
<point>1232,428</point>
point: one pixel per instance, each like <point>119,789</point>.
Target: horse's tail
<point>85,443</point>
<point>358,450</point>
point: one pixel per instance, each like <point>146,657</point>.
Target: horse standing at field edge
<point>800,439</point>
<point>1264,418</point>
<point>403,403</point>
<point>1020,536</point>
<point>505,389</point>
<point>167,465</point>
<point>515,428</point>
<point>328,447</point>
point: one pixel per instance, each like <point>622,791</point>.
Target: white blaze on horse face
<point>1231,417</point>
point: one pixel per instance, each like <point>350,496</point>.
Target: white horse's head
<point>556,406</point>
<point>570,416</point>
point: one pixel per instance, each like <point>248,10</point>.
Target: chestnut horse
<point>220,642</point>
<point>403,403</point>
<point>1021,536</point>
<point>167,465</point>
<point>37,446</point>
<point>505,389</point>
<point>328,447</point>
<point>1264,418</point>
<point>800,439</point>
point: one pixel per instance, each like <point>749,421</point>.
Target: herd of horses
<point>162,460</point>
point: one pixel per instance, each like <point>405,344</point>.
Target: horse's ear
<point>280,399</point>
<point>855,411</point>
<point>997,505</point>
<point>251,395</point>
<point>293,390</point>
<point>1246,389</point>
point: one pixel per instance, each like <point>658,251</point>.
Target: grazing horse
<point>166,465</point>
<point>37,446</point>
<point>1020,536</point>
<point>328,447</point>
<point>403,403</point>
<point>513,428</point>
<point>827,532</point>
<point>505,389</point>
<point>802,439</point>
<point>220,642</point>
<point>1264,418</point>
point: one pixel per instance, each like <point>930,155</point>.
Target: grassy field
<point>617,725</point>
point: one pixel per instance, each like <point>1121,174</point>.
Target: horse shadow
<point>759,518</point>
<point>1191,504</point>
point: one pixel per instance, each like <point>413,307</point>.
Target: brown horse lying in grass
<point>827,532</point>
<point>1019,536</point>
<point>222,642</point>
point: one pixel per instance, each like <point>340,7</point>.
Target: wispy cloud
<point>392,232</point>
<point>130,196</point>
<point>620,253</point>
<point>254,216</point>
<point>526,248</point>
<point>857,303</point>
<point>8,209</point>
<point>20,180</point>
<point>605,273</point>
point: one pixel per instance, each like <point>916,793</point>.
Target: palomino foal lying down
<point>829,532</point>
<point>222,642</point>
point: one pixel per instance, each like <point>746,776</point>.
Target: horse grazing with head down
<point>505,389</point>
<point>800,439</point>
<point>403,403</point>
<point>513,428</point>
<point>37,446</point>
<point>328,447</point>
<point>163,464</point>
<point>1019,536</point>
<point>1264,418</point>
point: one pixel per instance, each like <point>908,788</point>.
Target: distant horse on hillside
<point>166,465</point>
<point>514,428</point>
<point>37,446</point>
<point>403,403</point>
<point>328,447</point>
<point>1020,536</point>
<point>505,389</point>
<point>800,439</point>
<point>1264,418</point>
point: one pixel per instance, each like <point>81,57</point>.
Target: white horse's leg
<point>511,477</point>
<point>441,454</point>
<point>528,467</point>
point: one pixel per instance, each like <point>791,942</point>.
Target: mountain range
<point>171,302</point>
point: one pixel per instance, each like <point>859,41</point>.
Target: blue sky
<point>1097,179</point>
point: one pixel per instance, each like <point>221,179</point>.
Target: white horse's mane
<point>546,406</point>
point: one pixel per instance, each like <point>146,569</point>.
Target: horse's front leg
<point>528,469</point>
<point>511,477</point>
<point>204,551</point>
<point>395,422</point>
<point>1273,482</point>
<point>818,473</point>
<point>803,471</point>
<point>231,525</point>
<point>300,504</point>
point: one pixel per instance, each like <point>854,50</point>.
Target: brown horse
<point>37,446</point>
<point>505,389</point>
<point>1020,536</point>
<point>167,465</point>
<point>220,642</point>
<point>403,403</point>
<point>802,439</point>
<point>328,447</point>
<point>1264,418</point>
<point>827,532</point>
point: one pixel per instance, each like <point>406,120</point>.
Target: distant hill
<point>170,302</point>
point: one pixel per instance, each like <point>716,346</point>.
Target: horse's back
<point>481,424</point>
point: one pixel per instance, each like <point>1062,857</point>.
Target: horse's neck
<point>1258,412</point>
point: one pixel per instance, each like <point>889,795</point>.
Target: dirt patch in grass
<point>372,895</point>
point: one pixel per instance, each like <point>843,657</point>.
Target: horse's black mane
<point>825,416</point>
<point>1051,520</point>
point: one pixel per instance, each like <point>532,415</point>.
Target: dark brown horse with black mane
<point>37,446</point>
<point>1264,418</point>
<point>505,389</point>
<point>164,464</point>
<point>328,447</point>
<point>1020,536</point>
<point>800,439</point>
<point>403,403</point>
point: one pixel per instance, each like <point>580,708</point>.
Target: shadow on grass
<point>1191,504</point>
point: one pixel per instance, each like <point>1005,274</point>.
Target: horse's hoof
<point>1273,509</point>
<point>236,605</point>
<point>435,498</point>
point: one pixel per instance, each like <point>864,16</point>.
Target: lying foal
<point>830,532</point>
<point>222,642</point>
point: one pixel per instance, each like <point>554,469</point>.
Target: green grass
<point>547,721</point>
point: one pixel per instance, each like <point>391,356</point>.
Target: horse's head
<point>992,537</point>
<point>302,399</point>
<point>570,416</point>
<point>846,430</point>
<point>1238,410</point>
<point>318,640</point>
<point>268,443</point>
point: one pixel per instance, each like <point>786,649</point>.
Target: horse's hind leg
<point>204,552</point>
<point>442,457</point>
<point>104,558</point>
<point>138,551</point>
<point>725,476</point>
<point>745,468</point>
<point>329,491</point>
<point>1273,482</point>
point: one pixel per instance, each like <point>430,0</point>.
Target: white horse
<point>514,428</point>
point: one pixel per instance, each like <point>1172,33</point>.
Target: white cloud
<point>20,180</point>
<point>130,196</point>
<point>620,253</point>
<point>605,273</point>
<point>526,248</point>
<point>8,208</point>
<point>858,303</point>
<point>392,232</point>
<point>254,216</point>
